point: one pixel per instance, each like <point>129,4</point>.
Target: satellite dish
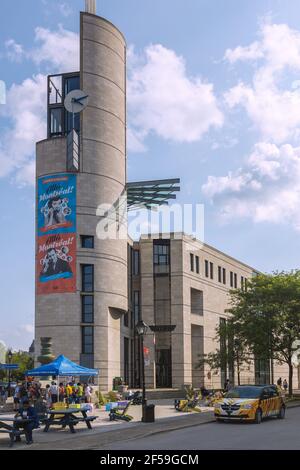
<point>76,101</point>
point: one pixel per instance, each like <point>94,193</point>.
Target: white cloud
<point>265,189</point>
<point>135,140</point>
<point>164,100</point>
<point>58,48</point>
<point>272,104</point>
<point>65,9</point>
<point>251,52</point>
<point>29,328</point>
<point>25,110</point>
<point>14,51</point>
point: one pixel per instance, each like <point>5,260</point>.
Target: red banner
<point>56,263</point>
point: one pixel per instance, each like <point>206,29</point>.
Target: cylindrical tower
<point>82,289</point>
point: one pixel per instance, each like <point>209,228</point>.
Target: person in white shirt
<point>54,392</point>
<point>87,393</point>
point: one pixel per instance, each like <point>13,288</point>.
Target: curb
<point>99,440</point>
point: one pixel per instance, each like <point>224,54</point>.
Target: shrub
<point>112,396</point>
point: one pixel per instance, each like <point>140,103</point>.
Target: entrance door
<point>163,368</point>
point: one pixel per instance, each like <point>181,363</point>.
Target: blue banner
<point>56,234</point>
<point>9,366</point>
<point>57,204</point>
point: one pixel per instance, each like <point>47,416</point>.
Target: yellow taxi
<point>250,403</point>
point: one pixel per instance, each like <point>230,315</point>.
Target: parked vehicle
<point>250,403</point>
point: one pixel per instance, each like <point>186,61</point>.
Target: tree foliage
<point>267,316</point>
<point>25,362</point>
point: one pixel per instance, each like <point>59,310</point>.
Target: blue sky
<point>213,98</point>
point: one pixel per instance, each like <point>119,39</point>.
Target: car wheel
<point>258,416</point>
<point>281,414</point>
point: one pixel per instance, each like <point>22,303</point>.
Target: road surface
<point>270,434</point>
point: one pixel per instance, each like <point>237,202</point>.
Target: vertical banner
<point>56,234</point>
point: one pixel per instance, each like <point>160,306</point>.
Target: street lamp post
<point>9,355</point>
<point>141,329</point>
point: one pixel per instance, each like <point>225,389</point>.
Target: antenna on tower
<point>90,6</point>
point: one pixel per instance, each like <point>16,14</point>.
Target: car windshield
<point>243,392</point>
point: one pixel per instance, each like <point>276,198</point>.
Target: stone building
<point>91,292</point>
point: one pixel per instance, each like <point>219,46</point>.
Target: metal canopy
<point>148,194</point>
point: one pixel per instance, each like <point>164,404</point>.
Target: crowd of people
<point>70,393</point>
<point>30,398</point>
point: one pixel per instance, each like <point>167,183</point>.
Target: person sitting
<point>204,392</point>
<point>27,411</point>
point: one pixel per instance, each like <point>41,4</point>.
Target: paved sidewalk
<point>105,432</point>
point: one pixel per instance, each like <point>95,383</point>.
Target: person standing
<point>87,393</point>
<point>61,392</point>
<point>23,393</point>
<point>74,392</point>
<point>17,397</point>
<point>54,392</point>
<point>285,385</point>
<point>79,393</point>
<point>69,393</point>
<point>279,382</point>
<point>227,385</point>
<point>48,396</point>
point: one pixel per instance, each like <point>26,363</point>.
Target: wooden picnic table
<point>66,417</point>
<point>13,430</point>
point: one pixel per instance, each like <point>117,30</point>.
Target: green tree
<point>233,352</point>
<point>267,315</point>
<point>25,362</point>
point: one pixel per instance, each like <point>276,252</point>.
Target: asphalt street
<point>271,434</point>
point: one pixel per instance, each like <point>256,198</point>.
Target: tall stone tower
<point>81,281</point>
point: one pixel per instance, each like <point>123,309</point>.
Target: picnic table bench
<point>13,430</point>
<point>66,417</point>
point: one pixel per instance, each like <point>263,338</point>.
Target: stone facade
<point>182,305</point>
<point>101,180</point>
<point>195,300</point>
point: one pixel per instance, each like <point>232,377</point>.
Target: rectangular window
<point>235,280</point>
<point>126,319</point>
<point>197,265</point>
<point>136,307</point>
<point>87,340</point>
<point>87,308</point>
<point>56,121</point>
<point>242,282</point>
<point>196,301</point>
<point>87,241</point>
<point>192,262</point>
<point>161,254</point>
<point>211,270</point>
<point>87,272</point>
<point>206,269</point>
<point>135,262</point>
<point>224,276</point>
<point>219,274</point>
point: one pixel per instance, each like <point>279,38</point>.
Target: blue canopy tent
<point>62,367</point>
